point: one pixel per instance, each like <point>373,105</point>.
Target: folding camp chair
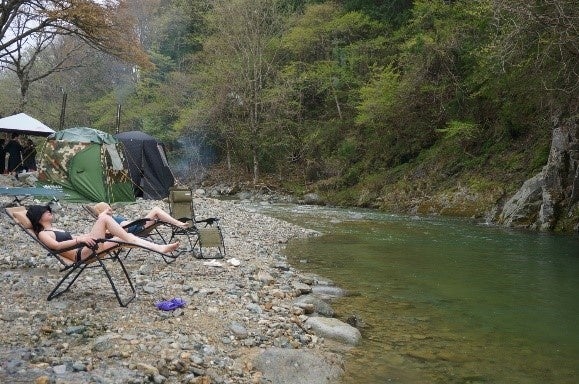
<point>151,232</point>
<point>206,233</point>
<point>73,269</point>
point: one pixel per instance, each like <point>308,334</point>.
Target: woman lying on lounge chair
<point>41,218</point>
<point>154,214</point>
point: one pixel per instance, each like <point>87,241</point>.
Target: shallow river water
<point>446,301</point>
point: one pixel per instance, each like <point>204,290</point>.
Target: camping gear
<point>170,305</point>
<point>24,125</point>
<point>75,269</point>
<point>88,164</point>
<point>206,232</point>
<point>147,163</point>
<point>20,193</point>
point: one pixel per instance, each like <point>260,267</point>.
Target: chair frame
<point>210,226</point>
<point>74,269</point>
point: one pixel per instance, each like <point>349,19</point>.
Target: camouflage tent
<point>88,164</point>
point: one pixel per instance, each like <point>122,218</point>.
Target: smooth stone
<point>334,329</point>
<point>290,366</point>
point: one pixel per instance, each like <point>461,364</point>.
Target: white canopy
<point>24,125</point>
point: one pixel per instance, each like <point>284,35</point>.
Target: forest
<point>366,103</point>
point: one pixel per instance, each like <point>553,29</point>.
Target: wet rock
<point>321,306</point>
<point>302,288</point>
<point>334,329</point>
<point>327,292</point>
<point>289,366</point>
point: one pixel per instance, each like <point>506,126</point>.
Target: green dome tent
<point>88,164</point>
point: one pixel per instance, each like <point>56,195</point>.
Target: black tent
<point>147,163</point>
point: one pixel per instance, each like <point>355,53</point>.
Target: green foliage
<point>540,155</point>
<point>460,129</point>
<point>392,12</point>
<point>378,98</point>
<point>348,150</point>
<point>179,27</point>
<point>364,100</point>
<point>307,38</point>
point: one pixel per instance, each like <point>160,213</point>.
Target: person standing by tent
<point>14,152</point>
<point>3,142</point>
<point>29,156</point>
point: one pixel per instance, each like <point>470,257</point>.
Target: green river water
<point>446,301</point>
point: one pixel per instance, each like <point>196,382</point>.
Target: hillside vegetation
<point>409,106</point>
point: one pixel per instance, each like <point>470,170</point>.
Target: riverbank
<point>246,323</point>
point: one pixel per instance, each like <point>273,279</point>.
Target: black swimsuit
<point>61,236</point>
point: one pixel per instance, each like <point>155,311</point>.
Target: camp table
<point>20,193</point>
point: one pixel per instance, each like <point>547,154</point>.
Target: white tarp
<point>24,125</point>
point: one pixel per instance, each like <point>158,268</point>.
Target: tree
<point>105,25</point>
<point>239,48</point>
<point>23,57</point>
<point>170,32</point>
<point>29,28</point>
<point>539,40</point>
<point>327,55</point>
<point>393,11</point>
<point>424,87</point>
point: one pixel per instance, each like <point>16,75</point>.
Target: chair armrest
<point>208,221</point>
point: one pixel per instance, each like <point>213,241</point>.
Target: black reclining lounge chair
<point>74,269</point>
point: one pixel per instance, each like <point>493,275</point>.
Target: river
<point>446,301</point>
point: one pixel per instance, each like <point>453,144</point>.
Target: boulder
<point>332,328</point>
<point>321,307</point>
<point>290,366</point>
<point>551,195</point>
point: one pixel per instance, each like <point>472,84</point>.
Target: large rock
<point>320,306</point>
<point>522,209</point>
<point>332,328</point>
<point>291,366</point>
<point>552,195</point>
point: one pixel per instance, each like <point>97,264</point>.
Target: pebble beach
<point>249,317</point>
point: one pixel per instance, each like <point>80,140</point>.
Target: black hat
<point>34,214</point>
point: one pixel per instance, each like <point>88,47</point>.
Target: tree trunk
<point>255,166</point>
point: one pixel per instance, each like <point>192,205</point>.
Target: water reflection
<point>447,301</point>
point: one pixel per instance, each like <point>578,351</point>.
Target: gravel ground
<point>240,324</point>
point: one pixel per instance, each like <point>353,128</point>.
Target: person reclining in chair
<point>41,218</point>
<point>154,214</point>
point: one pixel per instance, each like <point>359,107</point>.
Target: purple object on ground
<point>169,305</point>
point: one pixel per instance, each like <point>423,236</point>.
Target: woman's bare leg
<point>158,214</point>
<point>106,223</point>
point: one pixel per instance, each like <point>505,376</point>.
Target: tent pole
<point>62,110</point>
<point>118,117</point>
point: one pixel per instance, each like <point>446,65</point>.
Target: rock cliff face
<point>548,200</point>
